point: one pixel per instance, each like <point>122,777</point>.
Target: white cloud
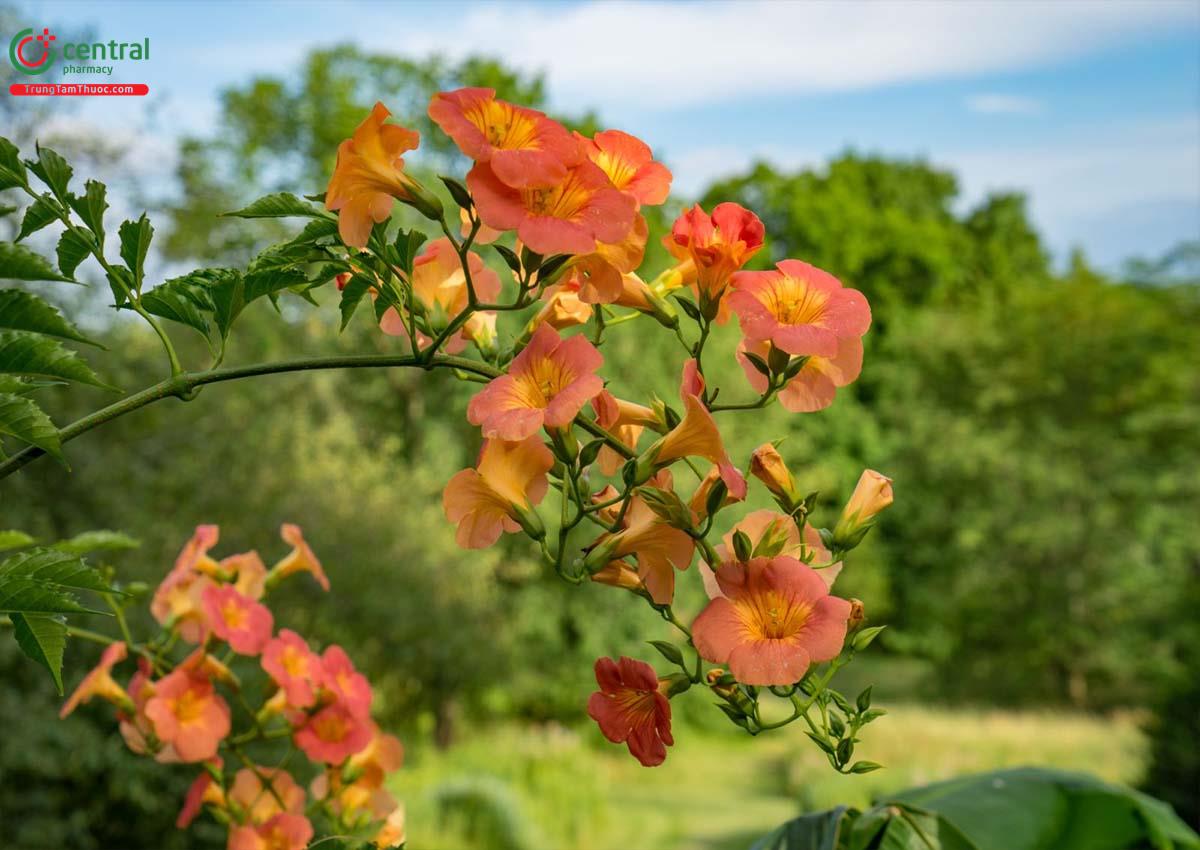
<point>1004,104</point>
<point>666,54</point>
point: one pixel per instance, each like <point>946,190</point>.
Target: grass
<point>552,788</point>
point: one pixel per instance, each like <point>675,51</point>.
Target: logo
<point>32,54</point>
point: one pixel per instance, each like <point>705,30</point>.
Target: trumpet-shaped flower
<point>237,619</point>
<point>630,708</point>
<point>248,571</point>
<point>340,678</point>
<point>772,534</point>
<point>333,734</point>
<point>718,244</point>
<point>300,560</point>
<point>100,683</point>
<point>523,147</point>
<point>369,174</point>
<point>187,713</point>
<point>626,421</point>
<point>264,792</point>
<point>812,388</point>
<point>699,501</point>
<point>202,791</point>
<point>135,726</point>
<point>500,493</point>
<point>799,308</point>
<point>871,495</point>
<point>548,383</point>
<point>294,667</point>
<point>659,549</point>
<point>629,164</point>
<point>769,467</point>
<point>178,599</point>
<point>440,286</point>
<point>600,274</point>
<point>695,436</point>
<point>774,619</point>
<point>283,832</point>
<point>570,217</point>
<point>392,833</point>
<point>562,308</point>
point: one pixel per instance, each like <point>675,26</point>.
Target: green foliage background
<point>1042,426</point>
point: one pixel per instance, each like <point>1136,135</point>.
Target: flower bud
<point>619,574</point>
<point>674,684</point>
<point>857,615</point>
<point>872,495</point>
<point>424,201</point>
<point>667,506</point>
<point>768,466</point>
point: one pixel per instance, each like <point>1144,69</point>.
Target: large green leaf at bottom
<point>43,639</point>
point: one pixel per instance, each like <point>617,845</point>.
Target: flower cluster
<point>219,681</point>
<point>564,213</point>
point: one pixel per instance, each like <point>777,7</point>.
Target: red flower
<point>630,709</point>
<point>523,147</point>
<point>568,217</point>
<point>348,686</point>
<point>333,734</point>
<point>718,244</point>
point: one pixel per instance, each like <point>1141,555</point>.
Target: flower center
<point>504,127</point>
<point>189,707</point>
<point>793,302</point>
<point>772,616</point>
<point>620,171</point>
<point>566,200</point>
<point>638,706</point>
<point>543,382</point>
<point>233,614</point>
<point>330,727</point>
<point>294,662</point>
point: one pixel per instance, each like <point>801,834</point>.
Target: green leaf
<point>278,205</point>
<point>24,420</point>
<point>668,651</point>
<point>19,263</point>
<point>227,291</point>
<point>271,282</point>
<point>407,244</point>
<point>13,539</point>
<point>135,243</point>
<point>39,214</point>
<point>40,357</point>
<point>817,831</point>
<point>40,581</point>
<point>24,311</point>
<point>352,295</point>
<point>7,209</point>
<point>91,206</point>
<point>120,281</point>
<point>183,300</point>
<point>97,541</point>
<point>54,171</point>
<point>864,638</point>
<point>74,246</point>
<point>12,171</point>
<point>21,386</point>
<point>42,639</point>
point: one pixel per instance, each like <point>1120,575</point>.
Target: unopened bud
<point>872,495</point>
<point>768,466</point>
<point>857,615</point>
<point>674,684</point>
<point>667,506</point>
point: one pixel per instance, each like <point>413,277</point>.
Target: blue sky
<point>1092,108</point>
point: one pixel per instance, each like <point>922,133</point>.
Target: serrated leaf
<point>19,263</point>
<point>12,539</point>
<point>312,232</point>
<point>358,286</point>
<point>271,282</point>
<point>74,246</point>
<point>227,291</point>
<point>20,386</point>
<point>120,281</point>
<point>100,540</point>
<point>22,419</point>
<point>90,206</point>
<point>407,244</point>
<point>43,639</point>
<point>42,357</point>
<point>12,170</point>
<point>39,214</point>
<point>40,581</point>
<point>135,244</point>
<point>182,300</point>
<point>24,311</point>
<point>278,205</point>
<point>54,171</point>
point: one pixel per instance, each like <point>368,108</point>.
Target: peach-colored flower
<point>356,792</point>
<point>769,467</point>
<point>135,726</point>
<point>382,756</point>
<point>563,308</point>
<point>237,619</point>
<point>569,217</point>
<point>201,663</point>
<point>440,286</point>
<point>812,388</point>
<point>203,791</point>
<point>626,421</point>
<point>773,534</point>
<point>523,147</point>
<point>871,495</point>
<point>294,667</point>
<point>187,713</point>
<point>283,832</point>
<point>718,244</point>
<point>100,683</point>
<point>500,493</point>
<point>392,833</point>
<point>699,501</point>
<point>775,618</point>
<point>177,600</point>
<point>369,173</point>
<point>695,436</point>
<point>248,572</point>
<point>629,164</point>
<point>348,686</point>
<point>600,274</point>
<point>548,383</point>
<point>300,560</point>
<point>631,709</point>
<point>659,549</point>
<point>264,792</point>
<point>799,308</point>
<point>333,734</point>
